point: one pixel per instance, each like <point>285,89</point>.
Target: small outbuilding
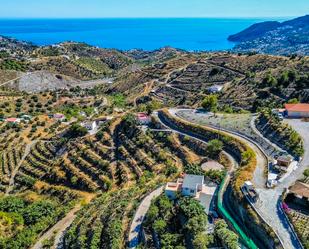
<point>284,162</point>
<point>90,125</point>
<point>250,191</point>
<point>300,110</point>
<point>143,118</point>
<point>215,88</point>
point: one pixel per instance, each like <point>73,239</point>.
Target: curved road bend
<point>259,177</point>
<point>234,165</point>
<point>268,204</point>
<point>145,204</point>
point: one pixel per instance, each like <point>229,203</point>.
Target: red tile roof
<point>11,119</point>
<point>142,115</point>
<point>297,107</point>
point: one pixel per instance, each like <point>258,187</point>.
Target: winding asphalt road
<point>269,205</point>
<point>141,212</point>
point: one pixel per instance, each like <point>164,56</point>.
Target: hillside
<point>53,164</point>
<point>289,37</point>
<point>58,66</point>
<point>167,75</point>
<point>250,81</point>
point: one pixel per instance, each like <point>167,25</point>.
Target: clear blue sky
<point>152,8</point>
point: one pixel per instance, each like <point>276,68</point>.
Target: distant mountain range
<point>281,38</point>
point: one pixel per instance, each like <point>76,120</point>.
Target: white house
<point>192,184</point>
<point>195,187</point>
<point>90,125</point>
<point>215,88</point>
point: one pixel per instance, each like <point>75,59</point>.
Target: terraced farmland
<point>9,159</point>
<point>137,157</point>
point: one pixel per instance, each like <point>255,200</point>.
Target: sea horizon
<point>190,34</point>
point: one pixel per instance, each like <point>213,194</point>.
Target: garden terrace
<point>43,164</point>
<point>178,146</point>
<point>89,169</point>
<point>280,133</point>
<point>39,164</point>
<point>174,95</point>
<point>203,74</point>
<point>300,223</point>
<point>9,159</point>
<point>108,216</point>
<point>157,150</point>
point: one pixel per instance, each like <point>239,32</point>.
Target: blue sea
<point>191,34</point>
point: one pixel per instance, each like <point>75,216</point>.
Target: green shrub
<point>227,237</point>
<point>210,103</point>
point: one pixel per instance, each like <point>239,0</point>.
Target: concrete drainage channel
<point>248,242</point>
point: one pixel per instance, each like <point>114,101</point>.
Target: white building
<point>90,125</point>
<point>195,187</point>
<point>192,184</point>
<point>215,88</point>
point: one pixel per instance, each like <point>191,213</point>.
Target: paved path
<point>16,169</point>
<point>259,179</point>
<point>303,130</point>
<point>140,216</point>
<point>58,230</point>
<point>91,83</point>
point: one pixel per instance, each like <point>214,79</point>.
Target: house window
<point>192,191</point>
